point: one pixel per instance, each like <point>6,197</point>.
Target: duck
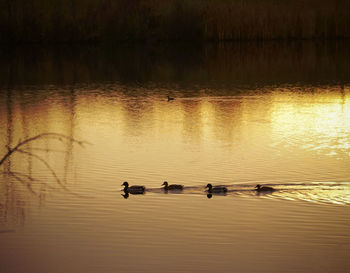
<point>260,188</point>
<point>133,189</point>
<point>170,98</point>
<point>216,189</point>
<point>168,187</point>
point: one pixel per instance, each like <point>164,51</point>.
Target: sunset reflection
<point>292,139</point>
<point>190,133</point>
<point>317,121</point>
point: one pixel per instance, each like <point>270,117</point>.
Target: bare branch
<point>47,166</point>
<point>29,186</point>
<point>59,137</point>
<point>30,178</point>
<point>22,177</point>
<point>47,150</point>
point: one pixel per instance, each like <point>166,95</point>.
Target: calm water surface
<point>272,114</point>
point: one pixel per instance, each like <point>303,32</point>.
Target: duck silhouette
<point>171,187</point>
<point>170,98</point>
<point>216,189</point>
<point>133,189</point>
<point>260,188</point>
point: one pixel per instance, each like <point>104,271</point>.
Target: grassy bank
<point>165,20</point>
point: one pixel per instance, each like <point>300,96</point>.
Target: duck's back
<point>218,189</point>
<point>174,187</point>
<point>266,189</point>
<point>136,189</point>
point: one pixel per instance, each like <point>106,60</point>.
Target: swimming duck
<point>260,188</point>
<point>216,189</point>
<point>170,98</point>
<point>133,189</point>
<point>168,187</point>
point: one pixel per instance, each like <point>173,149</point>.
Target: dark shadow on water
<point>263,193</point>
<point>126,194</point>
<point>172,191</point>
<point>210,195</point>
<point>197,67</point>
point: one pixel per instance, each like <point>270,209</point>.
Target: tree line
<point>67,21</point>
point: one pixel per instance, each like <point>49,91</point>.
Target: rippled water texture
<point>271,114</point>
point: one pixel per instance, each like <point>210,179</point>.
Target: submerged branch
<point>47,166</point>
<point>26,183</point>
<point>26,176</point>
<point>47,150</point>
<point>56,136</point>
<point>27,179</point>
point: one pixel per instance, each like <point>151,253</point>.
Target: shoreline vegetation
<point>104,21</point>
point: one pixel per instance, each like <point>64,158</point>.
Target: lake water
<point>274,114</point>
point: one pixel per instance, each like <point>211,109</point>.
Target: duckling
<point>172,187</point>
<point>133,189</point>
<point>216,189</point>
<point>170,98</point>
<point>260,188</point>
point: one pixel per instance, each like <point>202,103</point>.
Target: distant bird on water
<point>216,189</point>
<point>133,189</point>
<point>170,98</point>
<point>260,188</point>
<point>171,187</point>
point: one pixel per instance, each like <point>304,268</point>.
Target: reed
<point>165,20</point>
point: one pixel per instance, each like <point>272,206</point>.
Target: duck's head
<point>258,186</point>
<point>126,184</point>
<point>209,186</point>
<point>165,184</point>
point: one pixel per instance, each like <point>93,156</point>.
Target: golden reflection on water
<point>269,136</point>
<point>318,122</point>
<point>292,139</point>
